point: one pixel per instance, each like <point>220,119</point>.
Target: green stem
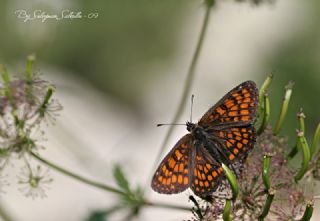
<point>267,205</point>
<point>293,152</point>
<point>4,215</point>
<point>166,206</point>
<point>43,108</point>
<point>301,126</point>
<point>232,181</point>
<point>266,113</point>
<point>265,172</point>
<point>262,92</point>
<point>29,90</point>
<point>302,142</point>
<point>308,212</point>
<point>76,176</point>
<point>301,118</point>
<point>101,185</point>
<point>6,84</point>
<point>189,79</point>
<point>227,210</point>
<point>30,60</point>
<point>284,107</point>
<point>315,140</point>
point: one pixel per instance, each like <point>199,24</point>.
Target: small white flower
<point>34,182</point>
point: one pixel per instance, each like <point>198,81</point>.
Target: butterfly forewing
<point>172,176</point>
<point>230,123</point>
<point>238,107</point>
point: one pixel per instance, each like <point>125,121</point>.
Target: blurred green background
<point>111,51</point>
<point>118,52</point>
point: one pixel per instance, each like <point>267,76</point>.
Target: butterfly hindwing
<point>238,141</point>
<point>206,172</point>
<point>172,176</point>
<point>238,107</point>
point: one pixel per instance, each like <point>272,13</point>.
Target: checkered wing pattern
<point>196,162</point>
<point>237,141</point>
<point>172,176</point>
<point>206,172</point>
<point>230,122</point>
<point>238,107</point>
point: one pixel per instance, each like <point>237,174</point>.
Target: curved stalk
<point>103,186</point>
<point>77,176</point>
<point>189,79</point>
<point>284,107</point>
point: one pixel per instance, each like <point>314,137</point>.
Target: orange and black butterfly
<point>225,134</point>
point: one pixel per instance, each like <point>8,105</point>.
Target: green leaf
<point>120,178</point>
<point>97,216</point>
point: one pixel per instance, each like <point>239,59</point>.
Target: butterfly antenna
<point>192,97</point>
<point>159,125</point>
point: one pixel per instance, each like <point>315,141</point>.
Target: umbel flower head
<point>34,181</point>
<point>288,201</point>
<point>25,102</point>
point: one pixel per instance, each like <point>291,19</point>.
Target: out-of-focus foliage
<point>108,51</point>
<point>298,59</point>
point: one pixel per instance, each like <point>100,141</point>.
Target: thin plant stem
<point>4,215</point>
<point>103,186</point>
<point>303,144</point>
<point>266,114</point>
<point>188,81</point>
<point>284,107</point>
<point>315,141</point>
<point>232,181</point>
<point>166,206</point>
<point>226,212</point>
<point>308,212</point>
<point>77,176</point>
<point>262,92</point>
<point>267,205</point>
<point>266,171</point>
<point>301,125</point>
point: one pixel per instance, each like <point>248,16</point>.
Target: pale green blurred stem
<point>227,210</point>
<point>262,92</point>
<point>4,215</point>
<point>166,206</point>
<point>189,79</point>
<point>103,186</point>
<point>76,176</point>
<point>284,107</point>
<point>266,114</point>
<point>315,140</point>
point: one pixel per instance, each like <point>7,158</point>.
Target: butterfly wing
<point>206,172</point>
<point>229,124</point>
<point>172,175</point>
<point>238,141</point>
<point>238,107</point>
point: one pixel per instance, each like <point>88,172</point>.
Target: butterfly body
<point>224,134</point>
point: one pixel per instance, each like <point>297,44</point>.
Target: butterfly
<point>224,134</point>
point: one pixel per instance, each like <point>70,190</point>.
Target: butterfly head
<point>190,126</point>
<point>196,130</point>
